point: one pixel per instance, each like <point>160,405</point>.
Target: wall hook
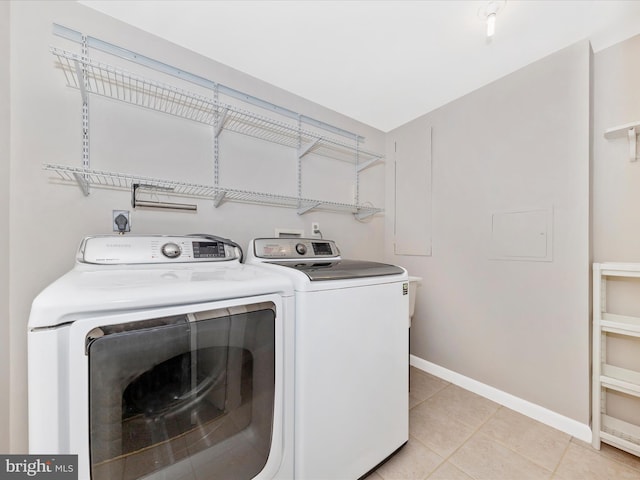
<point>630,130</point>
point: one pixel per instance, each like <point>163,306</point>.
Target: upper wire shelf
<point>111,82</point>
<point>120,181</point>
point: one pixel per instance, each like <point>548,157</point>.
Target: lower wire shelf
<point>87,178</point>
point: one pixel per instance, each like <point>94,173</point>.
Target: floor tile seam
<point>444,460</point>
<point>599,452</point>
<point>486,419</point>
<point>490,438</point>
<point>431,378</point>
<point>632,467</point>
<point>523,455</point>
<point>564,454</point>
<point>446,385</point>
<point>429,397</point>
<point>438,467</point>
<point>448,459</point>
<point>508,447</point>
<point>462,422</point>
<point>419,403</point>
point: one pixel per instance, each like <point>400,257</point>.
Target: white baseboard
<point>543,415</point>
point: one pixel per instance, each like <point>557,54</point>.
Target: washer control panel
<point>294,248</point>
<point>145,249</point>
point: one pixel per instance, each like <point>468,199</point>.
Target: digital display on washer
<point>208,250</point>
<point>322,248</point>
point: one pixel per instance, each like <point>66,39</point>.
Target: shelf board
<point>629,130</point>
<point>621,434</point>
<point>620,379</point>
<point>102,179</point>
<point>612,269</point>
<point>622,324</point>
<point>621,130</point>
<point>117,84</point>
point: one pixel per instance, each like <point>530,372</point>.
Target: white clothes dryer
<point>164,357</point>
<point>351,388</point>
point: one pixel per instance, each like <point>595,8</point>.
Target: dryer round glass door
<point>186,396</point>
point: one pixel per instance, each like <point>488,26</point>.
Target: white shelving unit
<point>93,77</point>
<point>606,428</point>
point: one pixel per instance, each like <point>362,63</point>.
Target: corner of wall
<point>5,151</point>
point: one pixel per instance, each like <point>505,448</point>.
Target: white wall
<point>521,327</point>
<point>48,220</point>
<point>616,189</point>
<point>4,220</point>
<point>520,142</point>
<point>616,198</point>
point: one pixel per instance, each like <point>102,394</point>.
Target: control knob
<point>301,248</point>
<point>171,250</point>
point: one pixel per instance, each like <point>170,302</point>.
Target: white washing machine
<point>164,357</point>
<point>351,388</point>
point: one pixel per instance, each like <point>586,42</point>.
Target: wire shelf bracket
<point>113,180</point>
<point>93,77</point>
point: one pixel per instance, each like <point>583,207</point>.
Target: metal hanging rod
<point>126,54</point>
<point>136,202</point>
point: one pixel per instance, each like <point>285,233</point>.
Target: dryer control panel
<point>294,248</point>
<point>147,249</point>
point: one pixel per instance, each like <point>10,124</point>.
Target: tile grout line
<point>508,446</point>
<point>610,458</point>
<point>553,472</point>
<point>522,455</point>
<point>433,394</point>
<point>446,459</point>
<point>564,454</point>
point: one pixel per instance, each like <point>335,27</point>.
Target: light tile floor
<point>457,435</point>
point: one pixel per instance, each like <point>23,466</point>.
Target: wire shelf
<point>111,82</point>
<point>101,179</point>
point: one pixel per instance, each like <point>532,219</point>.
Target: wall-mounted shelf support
<point>123,181</point>
<point>364,213</point>
<point>306,208</point>
<point>92,77</point>
<point>629,130</point>
<point>82,183</point>
<point>115,50</point>
<point>367,164</point>
<point>83,83</point>
<point>83,88</point>
<point>302,151</point>
<point>221,122</point>
<point>218,198</point>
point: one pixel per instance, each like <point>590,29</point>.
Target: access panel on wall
<point>413,189</point>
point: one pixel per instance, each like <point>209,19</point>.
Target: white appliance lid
<point>120,273</point>
<point>342,269</point>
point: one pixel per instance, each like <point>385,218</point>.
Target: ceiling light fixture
<point>488,14</point>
